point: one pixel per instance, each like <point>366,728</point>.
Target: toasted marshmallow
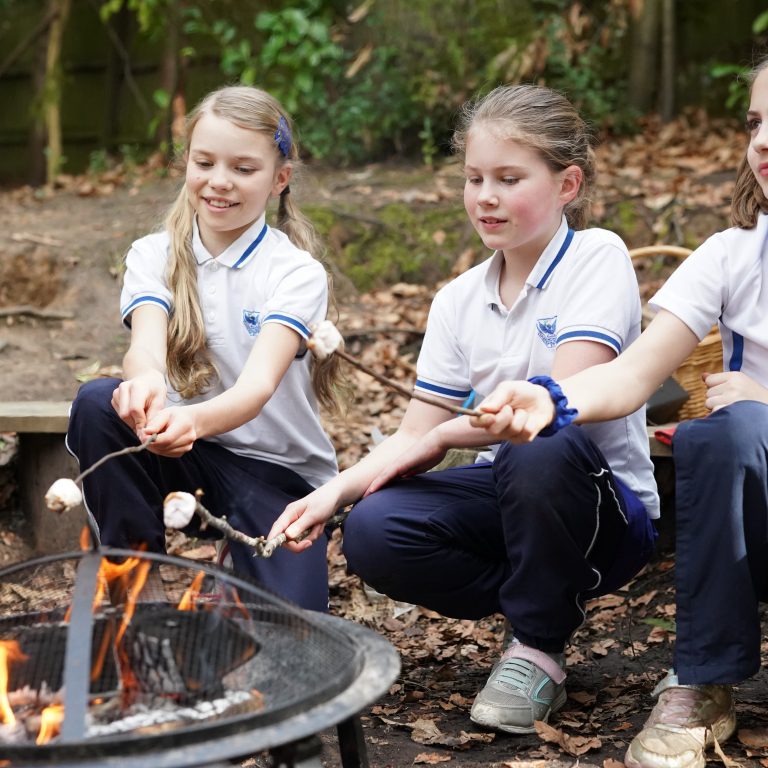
<point>178,509</point>
<point>63,495</point>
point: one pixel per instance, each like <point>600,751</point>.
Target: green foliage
<point>737,98</point>
<point>151,14</point>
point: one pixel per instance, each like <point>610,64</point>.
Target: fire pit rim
<point>246,724</point>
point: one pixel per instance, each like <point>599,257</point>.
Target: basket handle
<point>660,250</point>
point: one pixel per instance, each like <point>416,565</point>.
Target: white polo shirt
<point>582,288</point>
<point>726,280</point>
<point>261,278</point>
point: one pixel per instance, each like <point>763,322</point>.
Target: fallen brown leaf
<point>573,745</point>
<point>431,758</point>
<point>756,738</point>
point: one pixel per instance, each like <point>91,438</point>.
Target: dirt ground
<point>59,321</point>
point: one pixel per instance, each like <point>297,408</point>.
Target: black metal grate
<point>132,669</point>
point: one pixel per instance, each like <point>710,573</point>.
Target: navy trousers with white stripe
<point>721,502</point>
<point>531,536</point>
<point>125,495</point>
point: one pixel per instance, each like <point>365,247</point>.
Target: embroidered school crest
<point>252,322</point>
<point>546,327</point>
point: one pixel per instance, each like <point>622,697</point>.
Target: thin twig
<point>262,547</point>
<point>130,449</point>
<point>404,390</point>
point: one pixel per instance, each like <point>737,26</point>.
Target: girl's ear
<point>570,183</point>
<point>282,177</point>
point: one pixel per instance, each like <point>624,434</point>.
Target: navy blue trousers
<point>721,500</point>
<point>125,496</point>
<point>532,536</point>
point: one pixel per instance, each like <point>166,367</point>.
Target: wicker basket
<point>706,358</point>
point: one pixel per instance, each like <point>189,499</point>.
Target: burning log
<point>168,652</point>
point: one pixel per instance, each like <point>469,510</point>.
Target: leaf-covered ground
<point>59,259</point>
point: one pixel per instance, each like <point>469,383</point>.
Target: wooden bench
<point>42,458</point>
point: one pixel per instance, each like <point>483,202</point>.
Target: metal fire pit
<point>175,663</point>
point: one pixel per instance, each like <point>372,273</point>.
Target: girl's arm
<point>311,512</point>
<point>178,427</point>
<point>143,392</point>
<point>460,432</point>
<point>518,411</point>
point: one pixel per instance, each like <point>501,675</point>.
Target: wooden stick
<point>404,390</point>
<point>262,546</point>
<point>130,449</point>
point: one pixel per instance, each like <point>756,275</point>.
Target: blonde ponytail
<point>189,367</point>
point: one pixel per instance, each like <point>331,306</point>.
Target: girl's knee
<point>731,432</point>
<point>364,541</point>
<point>94,396</point>
<point>546,462</point>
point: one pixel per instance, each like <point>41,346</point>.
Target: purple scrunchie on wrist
<point>563,414</point>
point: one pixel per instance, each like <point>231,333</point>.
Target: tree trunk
<point>169,77</point>
<point>667,97</point>
<point>52,97</point>
<point>643,70</point>
<point>114,76</point>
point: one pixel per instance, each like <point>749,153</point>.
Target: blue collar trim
<point>251,248</point>
<point>557,259</point>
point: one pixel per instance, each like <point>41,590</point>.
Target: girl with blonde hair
<point>220,305</point>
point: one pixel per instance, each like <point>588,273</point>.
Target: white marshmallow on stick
<point>63,495</point>
<point>178,509</point>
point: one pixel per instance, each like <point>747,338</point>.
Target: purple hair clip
<point>283,136</point>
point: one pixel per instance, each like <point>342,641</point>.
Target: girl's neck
<point>518,263</point>
<point>218,242</point>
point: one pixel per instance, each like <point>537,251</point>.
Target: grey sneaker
<point>685,721</point>
<point>525,685</point>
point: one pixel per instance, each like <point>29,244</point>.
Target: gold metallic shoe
<point>685,721</point>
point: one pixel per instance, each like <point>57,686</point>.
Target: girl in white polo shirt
<point>721,461</point>
<point>540,528</point>
<point>219,304</point>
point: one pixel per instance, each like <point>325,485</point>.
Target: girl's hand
<point>137,400</point>
<point>731,387</point>
<point>516,411</point>
<point>420,457</point>
<point>175,430</point>
<point>310,513</point>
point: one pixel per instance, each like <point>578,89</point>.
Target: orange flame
<point>10,651</point>
<point>187,599</point>
<point>50,723</point>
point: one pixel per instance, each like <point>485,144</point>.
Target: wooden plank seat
<point>42,458</point>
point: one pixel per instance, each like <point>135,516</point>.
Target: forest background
<point>93,93</point>
<point>90,82</point>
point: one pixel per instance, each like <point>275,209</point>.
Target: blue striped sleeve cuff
<point>434,389</point>
<point>138,301</point>
<point>291,322</point>
<point>602,338</point>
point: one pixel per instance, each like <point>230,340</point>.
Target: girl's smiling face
<point>231,174</point>
<point>513,198</point>
<point>757,124</point>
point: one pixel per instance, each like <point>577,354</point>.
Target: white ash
<point>13,733</point>
<point>63,495</point>
<point>325,340</point>
<point>146,717</point>
<point>178,509</point>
